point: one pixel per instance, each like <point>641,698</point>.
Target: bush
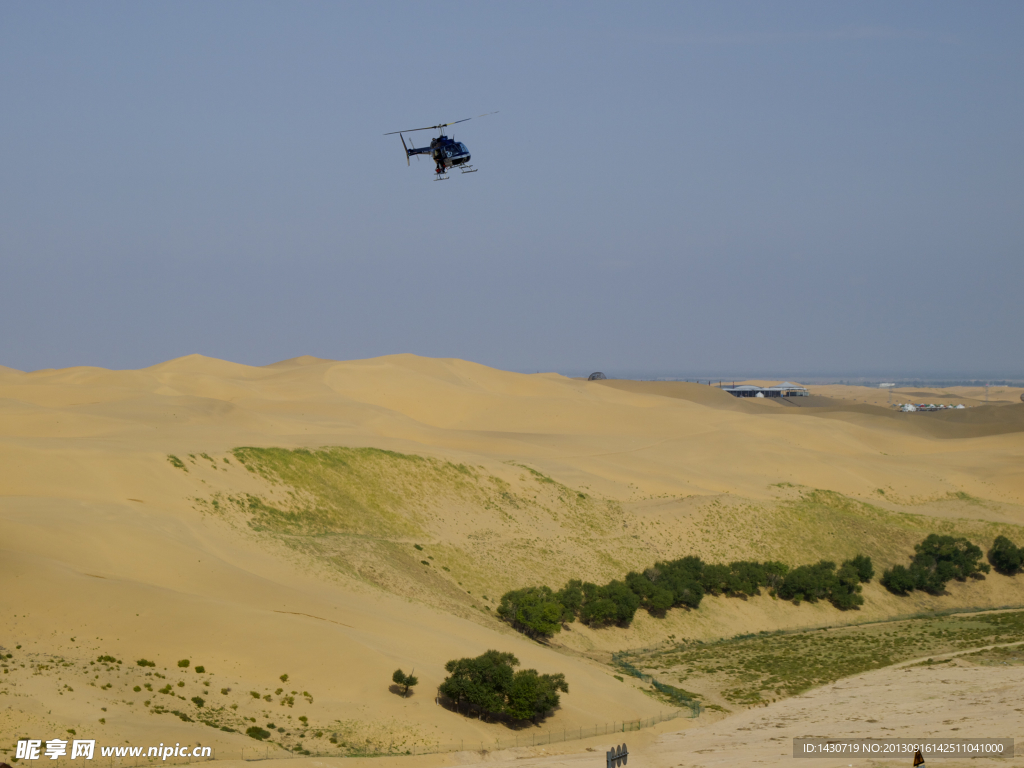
<point>145,663</point>
<point>200,669</point>
<point>1005,556</point>
<point>257,733</point>
<point>198,701</point>
<point>183,663</point>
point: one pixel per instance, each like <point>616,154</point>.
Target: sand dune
<point>108,548</point>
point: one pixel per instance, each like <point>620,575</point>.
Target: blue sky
<point>668,188</point>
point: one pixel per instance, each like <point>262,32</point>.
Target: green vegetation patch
<point>1012,655</point>
<point>360,491</point>
<point>764,667</point>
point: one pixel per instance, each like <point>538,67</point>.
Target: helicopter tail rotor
<point>405,148</point>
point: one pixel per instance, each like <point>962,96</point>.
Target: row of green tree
<point>541,611</point>
<point>937,560</point>
<point>491,685</point>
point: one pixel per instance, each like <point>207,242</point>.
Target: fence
<point>533,738</point>
<point>679,697</point>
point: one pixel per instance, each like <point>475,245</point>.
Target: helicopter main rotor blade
<point>413,130</point>
<point>442,125</point>
<point>428,128</point>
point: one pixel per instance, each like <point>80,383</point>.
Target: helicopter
<point>445,151</point>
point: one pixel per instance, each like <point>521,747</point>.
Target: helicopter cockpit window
<point>462,148</point>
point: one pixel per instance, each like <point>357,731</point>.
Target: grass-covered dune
<point>458,536</point>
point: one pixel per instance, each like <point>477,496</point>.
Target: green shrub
<point>201,670</point>
<point>183,663</point>
<point>257,733</point>
<point>145,663</point>
<point>198,701</point>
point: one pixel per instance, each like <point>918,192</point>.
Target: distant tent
<point>596,376</point>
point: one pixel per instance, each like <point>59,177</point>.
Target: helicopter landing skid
<point>440,177</point>
<point>469,169</point>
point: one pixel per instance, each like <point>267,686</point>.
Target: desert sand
<point>109,548</point>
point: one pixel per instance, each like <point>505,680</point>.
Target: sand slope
<point>108,549</point>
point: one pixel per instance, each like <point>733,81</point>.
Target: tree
<point>950,558</point>
<point>865,570</point>
<point>614,603</point>
<point>660,601</point>
<point>936,561</point>
<point>482,682</point>
<point>809,582</point>
<point>532,695</point>
<point>409,681</point>
<point>491,684</point>
<point>533,610</point>
<point>571,598</point>
<point>1005,556</point>
<point>898,580</point>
